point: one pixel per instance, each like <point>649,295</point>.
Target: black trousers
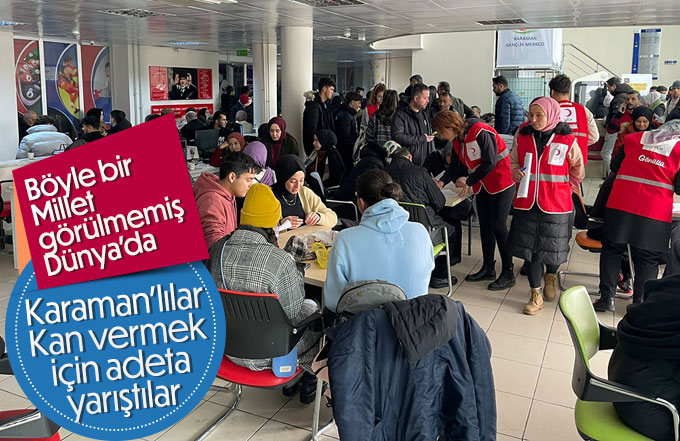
<point>654,377</point>
<point>534,272</point>
<point>493,210</point>
<point>645,263</point>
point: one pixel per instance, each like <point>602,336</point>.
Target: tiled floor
<point>532,364</point>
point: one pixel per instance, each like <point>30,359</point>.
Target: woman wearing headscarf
<point>258,152</point>
<point>235,143</point>
<point>299,204</point>
<point>279,142</point>
<point>325,141</point>
<point>540,228</point>
<point>642,120</point>
<point>639,208</point>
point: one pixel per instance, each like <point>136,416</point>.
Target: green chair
<point>594,412</point>
<point>417,213</point>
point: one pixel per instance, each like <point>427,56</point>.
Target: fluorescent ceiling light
<point>185,43</point>
<point>378,52</point>
<point>345,61</point>
<point>11,23</point>
<point>216,2</point>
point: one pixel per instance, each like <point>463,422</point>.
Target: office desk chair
<point>594,414</point>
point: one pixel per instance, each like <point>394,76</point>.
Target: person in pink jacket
<point>216,196</point>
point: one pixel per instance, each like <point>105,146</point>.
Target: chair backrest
<point>417,213</point>
<point>206,141</point>
<point>581,217</point>
<point>257,326</point>
<point>316,184</point>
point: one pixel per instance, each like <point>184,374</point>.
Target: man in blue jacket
<point>509,110</point>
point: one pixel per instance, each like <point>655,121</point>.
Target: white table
<point>314,275</point>
<point>201,167</point>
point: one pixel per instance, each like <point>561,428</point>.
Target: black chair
<point>417,213</point>
<point>257,327</point>
<point>316,184</point>
<point>23,424</point>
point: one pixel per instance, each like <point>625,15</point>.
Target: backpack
<point>367,294</point>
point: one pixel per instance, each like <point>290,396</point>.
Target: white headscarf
<point>651,98</point>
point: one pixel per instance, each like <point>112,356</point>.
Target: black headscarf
<point>327,139</point>
<point>285,168</point>
<point>643,111</point>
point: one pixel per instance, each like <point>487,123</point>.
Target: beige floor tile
<point>260,402</point>
<point>471,295</point>
<point>555,387</point>
<point>6,289</point>
<point>559,357</point>
<point>521,324</point>
<point>551,422</point>
<point>10,401</point>
<point>10,385</point>
<point>76,437</point>
<point>514,378</point>
<point>513,412</point>
<point>280,432</point>
<point>238,426</point>
<point>483,316</point>
<point>502,437</point>
<point>4,302</point>
<point>514,303</point>
<point>560,333</point>
<point>517,347</point>
<point>300,415</point>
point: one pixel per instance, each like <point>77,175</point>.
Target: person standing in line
<point>541,226</point>
<point>411,125</point>
<point>484,155</point>
<point>509,113</point>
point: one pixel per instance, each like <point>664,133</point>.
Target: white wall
<point>8,97</point>
<point>398,73</point>
<point>464,59</point>
<point>613,47</point>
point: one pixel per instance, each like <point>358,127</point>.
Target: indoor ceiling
<point>230,25</point>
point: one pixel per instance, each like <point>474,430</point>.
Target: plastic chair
<point>23,424</point>
<point>594,414</point>
<point>582,221</point>
<point>257,327</point>
<point>417,213</point>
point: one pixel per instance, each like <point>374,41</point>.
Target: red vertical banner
<point>158,81</point>
<point>205,84</point>
<point>27,68</point>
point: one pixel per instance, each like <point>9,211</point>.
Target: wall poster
<point>27,71</point>
<point>97,79</point>
<point>179,83</point>
<point>62,83</point>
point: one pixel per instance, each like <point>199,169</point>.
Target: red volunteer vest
<point>644,183</point>
<point>574,114</point>
<point>549,182</point>
<point>500,178</point>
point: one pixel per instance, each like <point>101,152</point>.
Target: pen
<point>523,169</point>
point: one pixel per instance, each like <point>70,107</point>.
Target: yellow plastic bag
<point>321,254</point>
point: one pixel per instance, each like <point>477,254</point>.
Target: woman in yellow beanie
<point>249,260</point>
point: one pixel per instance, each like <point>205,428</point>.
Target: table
<point>314,275</point>
<point>201,167</point>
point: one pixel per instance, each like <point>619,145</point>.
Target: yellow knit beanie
<point>261,208</point>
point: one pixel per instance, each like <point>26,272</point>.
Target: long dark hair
<point>388,107</point>
<point>376,185</point>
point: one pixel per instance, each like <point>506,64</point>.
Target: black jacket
<point>189,130</point>
<point>409,129</point>
<point>372,157</point>
<point>346,131</point>
<point>619,98</point>
<point>415,370</point>
<point>317,115</point>
<point>509,112</point>
<point>418,187</point>
<point>124,124</point>
<point>84,139</point>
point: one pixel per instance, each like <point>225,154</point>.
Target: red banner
<point>158,80</point>
<point>205,84</point>
<point>27,58</point>
<point>181,109</point>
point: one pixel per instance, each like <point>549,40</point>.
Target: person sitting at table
<point>250,260</point>
<point>541,226</point>
<point>216,196</point>
<point>235,143</point>
<point>639,210</point>
<point>43,139</point>
<point>419,188</point>
<point>258,152</point>
<point>384,246</point>
<point>647,358</point>
<point>299,204</point>
<point>487,173</point>
<point>278,141</point>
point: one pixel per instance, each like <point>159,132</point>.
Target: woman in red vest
<point>486,157</point>
<point>541,226</point>
<point>640,207</point>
